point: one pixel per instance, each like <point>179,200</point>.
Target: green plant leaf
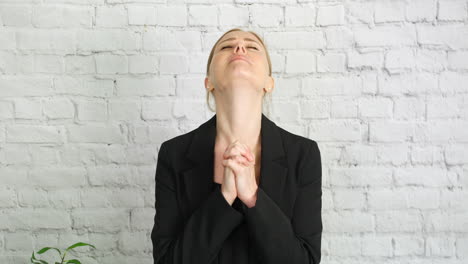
<point>75,261</point>
<point>38,261</point>
<point>80,244</point>
<point>47,248</point>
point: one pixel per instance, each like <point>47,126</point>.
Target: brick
<point>32,218</point>
<point>331,62</point>
<point>123,109</point>
<point>446,221</point>
<point>171,16</point>
<point>349,199</point>
<point>79,65</point>
<point>427,155</point>
<point>6,110</point>
<point>455,155</point>
<point>360,12</point>
<point>109,176</point>
<point>295,40</point>
<point>300,62</point>
<point>266,16</point>
<point>16,15</point>
<point>390,131</point>
<point>444,107</point>
<point>452,10</point>
<point>299,16</point>
<point>462,247</point>
<point>330,15</point>
<point>375,107</point>
<point>453,200</point>
<point>424,199</point>
<point>453,36</point>
<point>58,177</point>
<point>365,60</point>
<point>93,40</point>
<point>422,176</point>
<point>7,197</point>
<point>133,242</point>
<point>339,38</point>
<point>458,60</point>
<point>141,15</point>
<point>33,134</point>
<point>348,221</point>
<point>345,246</point>
<point>335,130</point>
<point>377,245</point>
<point>440,246</point>
<point>95,133</point>
<point>111,64</point>
<point>145,86</point>
<point>91,110</point>
<point>327,86</point>
<point>142,218</point>
<point>111,16</point>
<point>99,219</point>
<point>389,11</point>
<point>7,40</point>
<point>360,177</point>
<point>187,109</point>
<point>394,154</point>
<point>56,108</point>
<point>52,16</point>
<point>233,16</point>
<point>142,64</point>
<point>45,40</point>
<point>21,241</point>
<point>453,83</point>
<point>72,85</point>
<point>409,245</point>
<point>315,109</point>
<point>158,109</point>
<point>387,199</point>
<point>16,86</point>
<point>421,10</point>
<point>343,108</point>
<point>385,36</point>
<point>33,197</point>
<point>399,221</point>
<point>400,60</point>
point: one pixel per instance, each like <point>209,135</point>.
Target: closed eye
<point>231,47</point>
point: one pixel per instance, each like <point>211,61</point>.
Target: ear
<point>270,84</point>
<point>207,84</point>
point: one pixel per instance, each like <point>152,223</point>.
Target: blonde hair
<point>211,57</point>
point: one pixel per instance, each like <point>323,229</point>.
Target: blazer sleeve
<point>197,239</point>
<point>276,238</point>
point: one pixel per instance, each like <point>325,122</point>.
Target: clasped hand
<point>239,160</point>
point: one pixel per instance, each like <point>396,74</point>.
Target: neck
<point>238,121</point>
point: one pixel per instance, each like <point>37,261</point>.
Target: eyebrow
<point>248,39</point>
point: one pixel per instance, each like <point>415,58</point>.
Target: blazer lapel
<point>198,180</point>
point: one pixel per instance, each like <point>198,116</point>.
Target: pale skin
<point>238,86</point>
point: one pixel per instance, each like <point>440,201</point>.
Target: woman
<point>238,189</point>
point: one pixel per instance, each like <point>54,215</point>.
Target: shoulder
<point>304,155</point>
<point>176,147</point>
<point>295,144</point>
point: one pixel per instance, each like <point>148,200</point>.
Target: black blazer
<point>195,224</point>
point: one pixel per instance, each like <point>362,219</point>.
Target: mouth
<point>239,58</point>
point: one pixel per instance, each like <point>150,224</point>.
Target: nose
<point>240,48</point>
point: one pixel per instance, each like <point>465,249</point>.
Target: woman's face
<point>239,60</point>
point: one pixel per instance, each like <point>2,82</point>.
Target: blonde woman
<point>238,189</point>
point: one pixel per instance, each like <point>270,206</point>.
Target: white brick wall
<point>90,89</point>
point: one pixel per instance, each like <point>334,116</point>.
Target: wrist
<point>229,198</point>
